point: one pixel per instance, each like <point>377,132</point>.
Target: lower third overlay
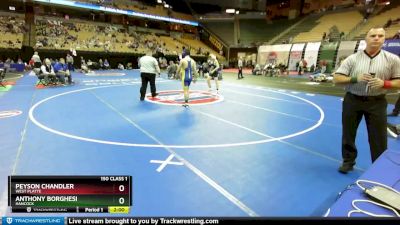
<point>104,221</point>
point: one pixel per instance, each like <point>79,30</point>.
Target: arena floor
<point>260,147</point>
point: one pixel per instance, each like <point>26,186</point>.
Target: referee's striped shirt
<point>385,65</point>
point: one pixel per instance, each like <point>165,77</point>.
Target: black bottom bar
<point>228,220</point>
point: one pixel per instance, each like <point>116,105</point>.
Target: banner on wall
<point>311,53</point>
<point>327,55</point>
<point>295,55</point>
<point>215,42</point>
<point>346,48</point>
<point>392,46</point>
<point>273,54</point>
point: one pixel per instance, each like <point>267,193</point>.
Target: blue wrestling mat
<point>245,151</point>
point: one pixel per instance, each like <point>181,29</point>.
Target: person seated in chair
<point>129,66</point>
<point>121,66</point>
<point>257,70</point>
<point>171,69</point>
<point>317,75</point>
<point>266,69</point>
<point>91,65</point>
<point>48,71</point>
<point>106,65</point>
<point>84,66</point>
<point>62,71</point>
<point>101,64</point>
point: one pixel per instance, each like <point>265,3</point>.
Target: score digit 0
<point>121,200</point>
<point>121,188</point>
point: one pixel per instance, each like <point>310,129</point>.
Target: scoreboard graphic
<point>70,194</point>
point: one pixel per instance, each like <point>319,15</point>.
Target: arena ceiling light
<point>109,9</point>
<point>230,10</point>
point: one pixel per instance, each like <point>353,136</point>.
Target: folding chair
<point>40,76</point>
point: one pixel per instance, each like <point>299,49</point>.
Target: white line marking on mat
<point>35,121</point>
<point>199,173</point>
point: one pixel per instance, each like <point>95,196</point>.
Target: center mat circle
<point>58,132</point>
<point>175,97</point>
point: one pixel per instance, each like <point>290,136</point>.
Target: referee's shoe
<point>346,167</point>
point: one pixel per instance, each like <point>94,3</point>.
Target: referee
<point>367,75</point>
<point>148,70</point>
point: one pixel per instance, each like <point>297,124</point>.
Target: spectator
<point>62,71</point>
<point>171,69</point>
<point>83,64</point>
<point>240,68</point>
<point>388,23</point>
<point>36,59</point>
<point>257,70</point>
<point>301,65</point>
<point>101,64</point>
<point>70,62</point>
<point>48,71</point>
<point>106,64</point>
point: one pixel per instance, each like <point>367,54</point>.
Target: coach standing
<point>367,75</point>
<point>148,70</point>
<point>240,68</point>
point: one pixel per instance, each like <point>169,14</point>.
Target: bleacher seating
<point>344,21</point>
<point>305,25</point>
<point>223,29</point>
<point>378,20</point>
<point>199,48</point>
<point>258,30</point>
<point>12,30</point>
<point>54,33</point>
<point>392,30</point>
<point>157,10</point>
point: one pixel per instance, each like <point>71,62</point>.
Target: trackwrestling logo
<point>175,97</point>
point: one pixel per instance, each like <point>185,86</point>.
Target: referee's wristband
<point>353,80</point>
<point>387,84</point>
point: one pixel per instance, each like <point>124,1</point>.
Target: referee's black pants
<point>240,73</point>
<point>146,78</point>
<point>373,108</point>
